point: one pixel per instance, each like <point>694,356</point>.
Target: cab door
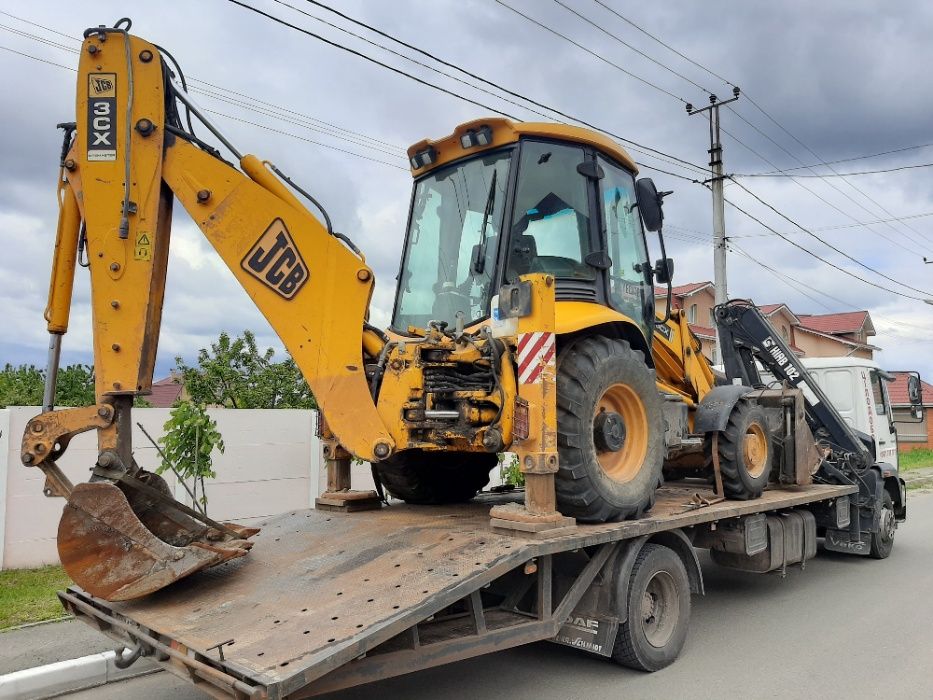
<point>883,419</point>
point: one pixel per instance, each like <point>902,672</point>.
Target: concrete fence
<point>272,464</point>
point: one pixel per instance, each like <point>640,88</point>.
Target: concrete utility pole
<point>716,185</point>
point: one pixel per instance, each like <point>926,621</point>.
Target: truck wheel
<point>882,542</point>
<point>424,477</point>
<point>745,452</point>
<point>610,431</point>
<point>658,600</point>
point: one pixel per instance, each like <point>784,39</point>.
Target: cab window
<point>879,395</point>
<point>550,229</point>
<point>624,239</point>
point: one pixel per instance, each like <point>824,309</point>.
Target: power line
<point>228,116</point>
<point>580,46</point>
<point>667,46</point>
<point>629,46</point>
<point>850,159</point>
<point>634,145</point>
<point>302,138</point>
<point>409,58</point>
<point>818,257</point>
<point>849,174</point>
<point>763,111</point>
<point>837,226</point>
<point>250,98</point>
<point>823,162</point>
<point>375,61</point>
<point>827,243</point>
<point>819,196</point>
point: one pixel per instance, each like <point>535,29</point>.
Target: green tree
<point>23,385</point>
<point>235,373</point>
<point>191,436</point>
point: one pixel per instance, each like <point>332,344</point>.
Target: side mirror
<point>649,204</point>
<point>914,390</point>
<point>664,270</point>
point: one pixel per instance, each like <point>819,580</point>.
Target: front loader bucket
<point>108,544</point>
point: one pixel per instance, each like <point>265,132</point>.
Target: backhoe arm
<point>123,535</point>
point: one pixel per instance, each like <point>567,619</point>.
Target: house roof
<point>897,391</point>
<point>702,331</point>
<point>165,393</point>
<point>837,338</point>
<point>846,322</point>
<point>683,290</point>
<point>770,309</point>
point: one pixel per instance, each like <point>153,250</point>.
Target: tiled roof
<point>897,391</point>
<point>682,289</point>
<point>702,331</point>
<point>165,393</point>
<point>846,322</point>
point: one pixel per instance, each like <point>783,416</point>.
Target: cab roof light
<point>424,158</point>
<point>476,137</point>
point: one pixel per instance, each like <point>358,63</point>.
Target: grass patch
<point>28,595</point>
<point>917,458</point>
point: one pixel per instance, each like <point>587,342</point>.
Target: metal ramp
<point>326,600</point>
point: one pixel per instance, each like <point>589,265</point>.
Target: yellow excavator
<point>524,320</point>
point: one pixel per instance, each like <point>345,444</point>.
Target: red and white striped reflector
<point>535,350</point>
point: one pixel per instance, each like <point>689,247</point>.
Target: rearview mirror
<point>914,390</point>
<point>664,270</point>
<point>649,203</point>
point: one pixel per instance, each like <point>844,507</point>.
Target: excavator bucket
<point>123,541</point>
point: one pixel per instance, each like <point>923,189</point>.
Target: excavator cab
<point>497,200</point>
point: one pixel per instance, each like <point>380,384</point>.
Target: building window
<point>712,318</point>
<point>692,314</point>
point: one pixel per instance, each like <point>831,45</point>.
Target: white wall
<point>271,465</point>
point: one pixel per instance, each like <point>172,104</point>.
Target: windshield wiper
<point>479,258</point>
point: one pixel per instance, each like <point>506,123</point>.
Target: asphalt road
<point>846,627</point>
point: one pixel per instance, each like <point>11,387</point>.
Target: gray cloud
<point>846,79</point>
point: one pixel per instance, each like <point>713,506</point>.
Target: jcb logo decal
<point>275,261</point>
<point>101,117</point>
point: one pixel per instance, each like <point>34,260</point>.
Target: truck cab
<point>857,387</point>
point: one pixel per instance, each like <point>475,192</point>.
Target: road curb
<point>68,676</point>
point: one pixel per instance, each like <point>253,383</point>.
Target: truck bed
<point>320,589</point>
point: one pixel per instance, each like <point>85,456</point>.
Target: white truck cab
<point>858,389</point>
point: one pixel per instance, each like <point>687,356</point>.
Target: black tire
<point>588,372</point>
<point>435,478</point>
<point>658,602</point>
<point>745,469</point>
<point>882,542</point>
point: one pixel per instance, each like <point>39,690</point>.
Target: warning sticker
<point>143,248</point>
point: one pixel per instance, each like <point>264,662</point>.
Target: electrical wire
<point>633,145</point>
<point>818,257</point>
<point>849,174</point>
<point>848,160</point>
<point>827,243</point>
<point>641,53</point>
<point>580,46</point>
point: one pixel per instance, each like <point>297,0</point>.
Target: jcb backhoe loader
<point>524,320</point>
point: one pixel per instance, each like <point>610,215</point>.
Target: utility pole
<point>716,185</point>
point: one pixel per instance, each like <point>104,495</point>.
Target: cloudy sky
<point>832,81</point>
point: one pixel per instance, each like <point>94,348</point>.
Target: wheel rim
<point>660,609</point>
<point>888,524</point>
<point>623,464</point>
<point>755,450</point>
